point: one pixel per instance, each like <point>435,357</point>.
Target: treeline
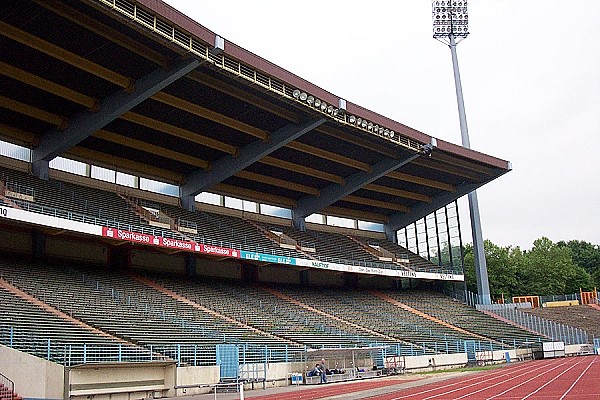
<point>548,268</point>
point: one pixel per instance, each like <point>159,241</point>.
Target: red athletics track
<point>324,391</point>
<point>574,378</point>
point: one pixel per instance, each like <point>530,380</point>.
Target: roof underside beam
<point>332,193</point>
<point>229,165</point>
<point>80,127</point>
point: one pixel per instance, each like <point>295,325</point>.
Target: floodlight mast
<point>450,21</point>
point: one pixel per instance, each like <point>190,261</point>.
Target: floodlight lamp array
<point>450,17</point>
<point>316,103</point>
<point>340,114</point>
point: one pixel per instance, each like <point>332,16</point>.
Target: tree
<point>585,255</point>
<point>547,268</point>
<point>503,266</point>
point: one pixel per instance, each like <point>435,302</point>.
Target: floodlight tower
<point>451,22</point>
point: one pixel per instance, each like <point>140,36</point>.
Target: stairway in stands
<point>183,299</point>
<point>280,239</point>
<point>425,315</point>
<point>301,304</point>
<point>52,310</point>
<point>383,254</point>
<point>7,389</point>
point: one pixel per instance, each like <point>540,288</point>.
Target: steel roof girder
<point>83,125</point>
<point>229,165</point>
<point>310,204</point>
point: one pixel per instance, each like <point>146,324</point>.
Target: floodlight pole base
<point>481,273</point>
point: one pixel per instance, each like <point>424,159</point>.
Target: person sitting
<point>316,371</point>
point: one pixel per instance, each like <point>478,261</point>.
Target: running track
<point>574,378</point>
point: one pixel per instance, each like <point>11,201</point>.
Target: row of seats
<point>223,230</point>
<point>455,312</point>
<point>122,306</point>
<point>84,200</point>
<point>234,312</point>
<point>264,311</point>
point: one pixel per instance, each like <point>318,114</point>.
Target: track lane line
<point>550,381</point>
<point>577,380</point>
<point>503,382</point>
<point>528,368</point>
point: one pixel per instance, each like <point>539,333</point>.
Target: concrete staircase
<point>298,303</point>
<point>7,389</point>
<point>421,314</point>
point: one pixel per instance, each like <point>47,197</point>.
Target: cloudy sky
<point>531,81</point>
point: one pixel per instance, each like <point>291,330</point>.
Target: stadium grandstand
<point>176,212</point>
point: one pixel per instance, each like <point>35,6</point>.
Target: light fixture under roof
<point>340,113</point>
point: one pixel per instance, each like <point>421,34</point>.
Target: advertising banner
<point>185,245</point>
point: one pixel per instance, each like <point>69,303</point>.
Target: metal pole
<point>462,250</point>
<point>481,274</point>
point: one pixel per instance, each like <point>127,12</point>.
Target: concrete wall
<point>33,377</point>
<point>375,282</point>
<point>75,250</point>
<point>13,240</point>
<point>221,269</point>
<point>157,261</point>
<point>277,374</point>
<point>325,278</point>
<point>437,361</point>
<point>279,274</point>
<point>189,376</point>
<point>578,349</point>
<point>124,381</point>
<point>496,356</point>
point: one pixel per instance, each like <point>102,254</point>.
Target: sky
<point>530,73</point>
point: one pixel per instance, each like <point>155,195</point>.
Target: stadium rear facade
<point>127,129</point>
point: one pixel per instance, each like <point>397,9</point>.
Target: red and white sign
<point>135,237</point>
<point>178,244</point>
<point>160,241</point>
<point>219,251</point>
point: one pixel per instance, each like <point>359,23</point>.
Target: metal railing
<point>7,387</point>
<point>70,353</point>
<point>21,189</point>
<point>185,354</point>
<point>554,330</point>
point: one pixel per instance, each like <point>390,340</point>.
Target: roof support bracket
<point>334,192</point>
<point>83,125</point>
<point>227,166</point>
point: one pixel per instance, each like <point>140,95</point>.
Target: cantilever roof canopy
<point>141,88</point>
